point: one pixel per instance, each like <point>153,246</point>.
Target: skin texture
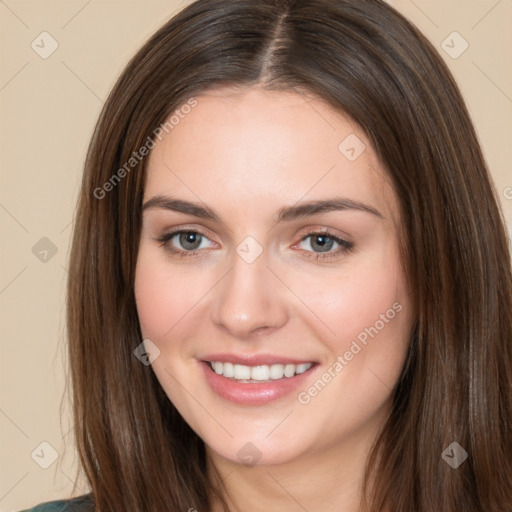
<point>246,154</point>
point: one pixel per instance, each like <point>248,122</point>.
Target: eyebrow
<point>286,213</point>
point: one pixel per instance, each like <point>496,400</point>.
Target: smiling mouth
<point>260,373</point>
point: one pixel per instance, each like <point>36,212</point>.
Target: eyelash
<point>345,245</point>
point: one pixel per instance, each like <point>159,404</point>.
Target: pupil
<point>189,238</point>
<point>324,243</point>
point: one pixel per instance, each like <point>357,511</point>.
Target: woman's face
<point>286,277</point>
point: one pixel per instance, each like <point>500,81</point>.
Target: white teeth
<point>228,370</point>
<point>276,371</point>
<point>261,372</point>
<point>241,372</point>
<point>301,368</point>
<point>289,370</point>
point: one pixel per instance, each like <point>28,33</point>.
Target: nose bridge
<point>249,297</point>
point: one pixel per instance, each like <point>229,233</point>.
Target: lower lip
<point>257,393</point>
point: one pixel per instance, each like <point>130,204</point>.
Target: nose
<point>249,300</point>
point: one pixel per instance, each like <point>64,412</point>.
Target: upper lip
<point>254,359</point>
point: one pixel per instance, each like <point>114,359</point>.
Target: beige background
<point>48,108</point>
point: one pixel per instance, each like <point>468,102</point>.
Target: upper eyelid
<point>169,235</point>
<point>177,231</point>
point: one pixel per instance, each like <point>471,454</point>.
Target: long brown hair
<point>368,61</point>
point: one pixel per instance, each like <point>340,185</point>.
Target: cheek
<point>152,300</point>
<point>365,324</point>
<point>371,317</point>
<point>355,300</point>
<point>163,296</point>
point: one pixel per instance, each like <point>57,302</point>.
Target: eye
<point>322,244</point>
<point>190,241</point>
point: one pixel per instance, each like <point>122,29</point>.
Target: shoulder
<point>83,503</point>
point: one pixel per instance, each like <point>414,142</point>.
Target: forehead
<point>259,148</point>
